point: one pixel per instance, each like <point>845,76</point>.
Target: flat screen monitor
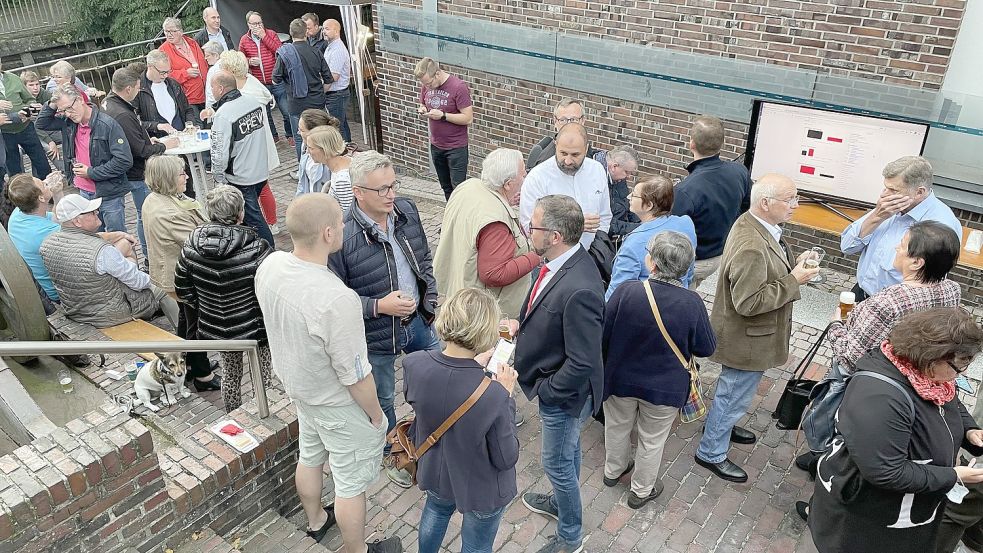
<point>830,155</point>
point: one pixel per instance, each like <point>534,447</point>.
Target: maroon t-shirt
<point>450,97</point>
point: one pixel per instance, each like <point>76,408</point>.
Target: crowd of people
<point>560,254</point>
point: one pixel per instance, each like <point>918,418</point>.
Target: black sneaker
<point>210,386</point>
<point>318,535</point>
<point>636,502</point>
<point>554,545</point>
<point>612,482</point>
<point>388,545</point>
<point>540,503</point>
<point>802,508</point>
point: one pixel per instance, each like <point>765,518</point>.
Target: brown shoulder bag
<point>404,454</point>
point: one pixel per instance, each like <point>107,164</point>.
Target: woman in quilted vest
<point>168,219</point>
<point>214,279</point>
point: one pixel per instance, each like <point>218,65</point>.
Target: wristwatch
<point>443,116</point>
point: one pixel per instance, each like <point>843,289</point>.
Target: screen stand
<point>828,206</point>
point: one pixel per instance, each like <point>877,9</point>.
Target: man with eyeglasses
<point>714,194</point>
<point>259,45</point>
<point>446,103</point>
<point>161,103</point>
<point>386,259</point>
<point>96,149</point>
<point>752,316</point>
<point>567,110</point>
<point>907,198</point>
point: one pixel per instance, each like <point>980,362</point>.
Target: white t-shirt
<point>165,104</point>
<point>315,329</point>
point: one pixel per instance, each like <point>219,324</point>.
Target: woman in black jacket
<point>881,485</point>
<point>214,278</point>
<point>471,468</point>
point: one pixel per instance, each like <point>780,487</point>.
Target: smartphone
<point>501,356</point>
<point>963,384</point>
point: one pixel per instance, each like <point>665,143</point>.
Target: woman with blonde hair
<point>169,217</point>
<point>471,468</point>
<point>62,72</point>
<point>325,146</point>
<point>311,175</point>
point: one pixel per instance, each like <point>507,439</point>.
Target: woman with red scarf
<point>188,65</point>
<point>882,484</point>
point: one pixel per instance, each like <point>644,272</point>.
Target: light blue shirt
<point>219,38</point>
<point>27,232</point>
<point>629,264</point>
<point>405,276</point>
<point>338,62</point>
<point>875,271</point>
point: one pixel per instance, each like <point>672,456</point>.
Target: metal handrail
<point>93,53</point>
<point>77,347</point>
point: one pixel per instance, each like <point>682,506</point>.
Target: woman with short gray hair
<point>645,382</point>
<point>214,279</point>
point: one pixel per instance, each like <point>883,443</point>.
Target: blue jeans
<point>113,212</point>
<point>735,390</point>
<point>29,141</point>
<point>295,123</point>
<point>477,529</point>
<point>337,105</point>
<point>819,422</point>
<point>279,92</point>
<point>561,462</point>
<point>416,336</point>
<point>253,215</point>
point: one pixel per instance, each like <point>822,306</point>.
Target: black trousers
<point>961,521</point>
<point>197,361</point>
<point>451,166</point>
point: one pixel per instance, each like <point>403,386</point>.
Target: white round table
<point>192,148</point>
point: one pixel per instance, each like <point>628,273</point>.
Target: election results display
<point>830,155</point>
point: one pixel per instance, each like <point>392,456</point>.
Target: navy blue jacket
<point>473,463</point>
<point>714,194</point>
<point>638,363</point>
<point>623,221</point>
<point>558,347</point>
<point>109,152</point>
<point>365,263</point>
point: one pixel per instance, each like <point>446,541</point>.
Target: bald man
<point>317,341</point>
<point>340,64</point>
<point>752,316</point>
<point>214,31</point>
<point>571,174</point>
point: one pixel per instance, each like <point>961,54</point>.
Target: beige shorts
<point>345,438</point>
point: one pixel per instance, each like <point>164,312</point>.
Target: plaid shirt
<point>872,319</point>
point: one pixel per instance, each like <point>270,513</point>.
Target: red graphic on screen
<point>834,139</point>
<point>807,170</point>
<point>811,152</point>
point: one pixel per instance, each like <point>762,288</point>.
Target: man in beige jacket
<point>752,316</point>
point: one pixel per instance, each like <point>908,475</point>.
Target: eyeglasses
<point>959,370</point>
<point>566,120</point>
<point>70,107</point>
<point>171,31</point>
<point>792,202</point>
<point>163,72</point>
<point>255,24</point>
<point>385,190</point>
<point>544,229</point>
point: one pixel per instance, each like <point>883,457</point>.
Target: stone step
<point>271,533</point>
<point>204,541</point>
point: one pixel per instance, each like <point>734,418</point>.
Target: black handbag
<point>798,390</point>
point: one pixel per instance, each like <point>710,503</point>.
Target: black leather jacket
<point>215,278</point>
<point>366,264</point>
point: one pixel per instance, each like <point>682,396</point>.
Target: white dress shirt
<point>589,187</point>
<point>554,266</point>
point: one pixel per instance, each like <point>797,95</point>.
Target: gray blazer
<point>473,464</point>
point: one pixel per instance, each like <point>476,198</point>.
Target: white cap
<point>73,205</point>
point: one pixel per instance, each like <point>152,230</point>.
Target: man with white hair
<point>482,244</point>
<point>621,164</point>
<point>752,316</point>
<point>213,31</point>
<point>907,198</point>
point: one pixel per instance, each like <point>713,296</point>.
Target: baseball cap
<point>73,205</point>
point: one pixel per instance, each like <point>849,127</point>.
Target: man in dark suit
<point>558,358</point>
<point>752,316</point>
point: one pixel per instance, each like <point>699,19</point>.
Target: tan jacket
<point>752,310</point>
<point>167,222</point>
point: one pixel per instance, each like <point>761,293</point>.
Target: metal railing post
<point>256,375</point>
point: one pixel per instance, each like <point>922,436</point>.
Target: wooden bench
<point>139,331</point>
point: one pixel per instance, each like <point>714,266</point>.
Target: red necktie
<point>535,287</point>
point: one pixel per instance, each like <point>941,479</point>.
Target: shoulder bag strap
<point>457,414</point>
<point>892,382</point>
<point>800,371</point>
<point>662,327</point>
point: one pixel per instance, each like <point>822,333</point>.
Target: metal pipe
<point>93,53</point>
<point>17,349</point>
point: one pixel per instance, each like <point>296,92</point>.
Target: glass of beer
<point>847,301</point>
<point>65,379</point>
<point>504,330</point>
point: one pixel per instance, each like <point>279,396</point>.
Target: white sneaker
<point>400,477</point>
<point>275,228</point>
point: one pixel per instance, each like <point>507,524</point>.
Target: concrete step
<point>271,533</point>
<point>204,541</point>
